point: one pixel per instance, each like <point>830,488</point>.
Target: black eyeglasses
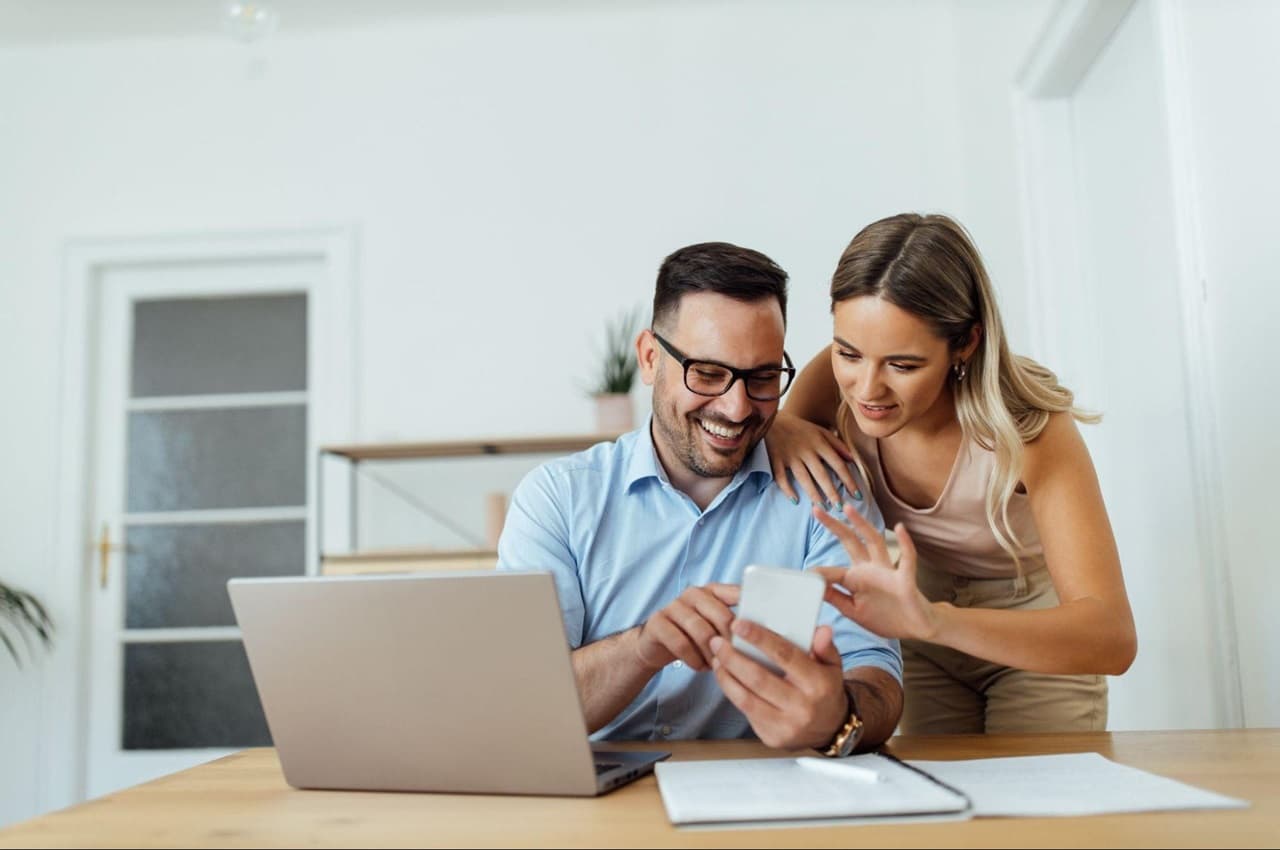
<point>709,378</point>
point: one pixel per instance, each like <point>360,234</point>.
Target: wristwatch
<point>848,735</point>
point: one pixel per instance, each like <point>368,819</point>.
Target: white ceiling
<point>54,21</point>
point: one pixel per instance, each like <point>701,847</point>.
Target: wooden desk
<point>243,801</point>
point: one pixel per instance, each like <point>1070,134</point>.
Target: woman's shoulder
<point>1059,442</point>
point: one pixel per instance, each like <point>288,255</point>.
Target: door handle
<point>105,548</point>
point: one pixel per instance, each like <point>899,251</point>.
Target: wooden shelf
<point>361,561</point>
<point>407,560</point>
<point>466,448</point>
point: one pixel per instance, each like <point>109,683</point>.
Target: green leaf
<point>618,363</point>
<point>13,650</point>
<point>24,615</point>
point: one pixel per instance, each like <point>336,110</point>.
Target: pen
<point>838,769</point>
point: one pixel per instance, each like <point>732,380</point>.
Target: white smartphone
<point>786,601</point>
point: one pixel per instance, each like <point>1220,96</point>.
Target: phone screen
<point>784,600</point>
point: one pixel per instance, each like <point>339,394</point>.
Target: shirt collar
<point>644,464</point>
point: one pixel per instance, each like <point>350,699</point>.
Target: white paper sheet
<point>783,789</point>
<point>1071,784</point>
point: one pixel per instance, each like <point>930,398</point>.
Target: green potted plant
<point>22,614</point>
<point>612,390</point>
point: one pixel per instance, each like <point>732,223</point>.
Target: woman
<point>1008,595</point>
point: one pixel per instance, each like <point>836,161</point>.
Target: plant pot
<point>614,413</point>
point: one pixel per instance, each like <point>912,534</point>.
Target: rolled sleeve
<point>870,650</point>
<point>536,536</point>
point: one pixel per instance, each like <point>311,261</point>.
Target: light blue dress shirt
<point>623,543</point>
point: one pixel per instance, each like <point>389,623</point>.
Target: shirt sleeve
<point>536,536</point>
<point>858,647</point>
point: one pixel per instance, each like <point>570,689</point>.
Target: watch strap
<point>847,736</point>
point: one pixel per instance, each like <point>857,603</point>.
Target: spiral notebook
<point>874,787</point>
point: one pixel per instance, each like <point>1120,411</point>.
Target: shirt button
<point>678,664</point>
<point>665,730</point>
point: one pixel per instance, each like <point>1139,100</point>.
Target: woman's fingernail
<point>857,495</point>
<point>795,500</point>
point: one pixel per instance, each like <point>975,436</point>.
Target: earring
<point>960,369</point>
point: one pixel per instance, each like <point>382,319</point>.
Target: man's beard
<point>683,437</point>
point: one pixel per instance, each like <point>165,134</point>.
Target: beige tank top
<point>953,535</point>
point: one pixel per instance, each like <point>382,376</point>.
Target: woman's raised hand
<point>874,592</point>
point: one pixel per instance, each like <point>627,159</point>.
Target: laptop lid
<point>456,682</point>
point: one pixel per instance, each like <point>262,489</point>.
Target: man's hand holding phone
<point>683,630</point>
<point>790,688</point>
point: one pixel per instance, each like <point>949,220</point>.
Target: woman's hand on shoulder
<point>814,456</point>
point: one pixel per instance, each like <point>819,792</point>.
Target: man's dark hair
<point>718,267</point>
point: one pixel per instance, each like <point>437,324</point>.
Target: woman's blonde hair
<point>928,266</point>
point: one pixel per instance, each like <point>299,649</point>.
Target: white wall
<point>1233,69</point>
<point>515,177</point>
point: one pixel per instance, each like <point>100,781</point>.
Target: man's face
<point>711,436</point>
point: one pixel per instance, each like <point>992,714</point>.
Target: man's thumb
<point>824,648</point>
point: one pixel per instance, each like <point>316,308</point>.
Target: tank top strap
<point>953,534</point>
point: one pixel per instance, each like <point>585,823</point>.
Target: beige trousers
<point>948,691</point>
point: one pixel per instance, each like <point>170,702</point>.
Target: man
<point>648,537</point>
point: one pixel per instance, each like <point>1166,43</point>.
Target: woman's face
<point>891,368</point>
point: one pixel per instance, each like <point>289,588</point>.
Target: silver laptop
<point>457,682</point>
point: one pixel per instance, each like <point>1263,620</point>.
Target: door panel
<point>190,695</point>
<point>201,459</point>
<point>195,346</point>
<point>176,575</point>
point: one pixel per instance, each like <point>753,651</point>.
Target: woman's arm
<point>814,395</point>
<point>1091,630</point>
<point>801,440</point>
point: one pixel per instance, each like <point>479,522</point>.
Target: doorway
<point>202,375</point>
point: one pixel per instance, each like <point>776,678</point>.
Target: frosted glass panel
<point>176,575</point>
<point>188,695</point>
<point>231,458</point>
<point>195,346</point>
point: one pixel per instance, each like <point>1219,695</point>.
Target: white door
<point>1117,334</point>
<point>201,473</point>
<point>1143,449</point>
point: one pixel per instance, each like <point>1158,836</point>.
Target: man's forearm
<point>609,675</point>
<point>878,697</point>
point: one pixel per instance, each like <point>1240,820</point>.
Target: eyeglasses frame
<point>685,362</point>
